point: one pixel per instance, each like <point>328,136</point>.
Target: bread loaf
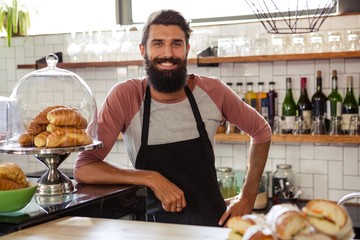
<point>67,117</point>
<point>40,139</point>
<point>41,118</point>
<point>68,140</point>
<point>26,140</point>
<point>12,172</point>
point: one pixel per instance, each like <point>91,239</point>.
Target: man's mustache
<point>171,60</point>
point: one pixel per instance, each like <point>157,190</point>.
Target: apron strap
<point>200,124</point>
<point>146,117</point>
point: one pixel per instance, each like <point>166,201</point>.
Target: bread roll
<point>12,172</point>
<point>68,140</point>
<point>40,139</point>
<point>26,140</point>
<point>287,221</point>
<point>41,118</point>
<point>67,117</point>
<point>329,218</point>
<point>259,232</point>
<point>7,184</point>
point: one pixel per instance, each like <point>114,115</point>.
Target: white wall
<point>324,170</point>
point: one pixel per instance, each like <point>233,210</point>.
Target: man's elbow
<point>80,175</point>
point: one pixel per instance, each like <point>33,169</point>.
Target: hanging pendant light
<point>292,16</point>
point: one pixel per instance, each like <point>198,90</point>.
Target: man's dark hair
<point>166,17</point>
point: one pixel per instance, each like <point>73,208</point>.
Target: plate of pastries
<point>318,220</point>
<point>56,127</point>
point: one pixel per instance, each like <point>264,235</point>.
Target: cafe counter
<point>101,201</point>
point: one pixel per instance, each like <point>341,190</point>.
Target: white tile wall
<point>323,170</point>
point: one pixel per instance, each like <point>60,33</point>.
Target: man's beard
<point>166,81</point>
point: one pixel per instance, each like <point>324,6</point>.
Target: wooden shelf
<point>284,138</point>
<point>208,60</point>
<point>222,137</point>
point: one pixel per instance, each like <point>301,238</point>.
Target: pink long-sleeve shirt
<point>122,112</point>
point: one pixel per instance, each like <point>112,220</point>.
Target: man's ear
<point>142,50</point>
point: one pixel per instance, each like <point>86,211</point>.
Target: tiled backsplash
<point>323,170</point>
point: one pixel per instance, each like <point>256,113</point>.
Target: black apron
<point>189,165</point>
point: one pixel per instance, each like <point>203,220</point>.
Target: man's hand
<point>236,206</point>
<point>172,198</point>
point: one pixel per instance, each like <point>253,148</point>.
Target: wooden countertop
<point>98,228</point>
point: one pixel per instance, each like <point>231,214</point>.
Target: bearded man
<point>168,120</point>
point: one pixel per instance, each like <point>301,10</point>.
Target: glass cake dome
<point>47,87</point>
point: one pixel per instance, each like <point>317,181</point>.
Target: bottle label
<point>289,123</point>
<point>345,122</point>
<point>264,107</point>
<point>307,117</point>
<point>253,102</point>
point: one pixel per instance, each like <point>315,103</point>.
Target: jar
<point>226,181</point>
<point>283,184</point>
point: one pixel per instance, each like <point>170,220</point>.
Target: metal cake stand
<point>53,181</point>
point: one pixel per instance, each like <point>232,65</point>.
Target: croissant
<point>34,128</point>
<point>26,140</point>
<point>67,117</point>
<point>41,117</point>
<point>40,139</point>
<point>68,140</point>
<point>12,172</point>
<point>61,130</point>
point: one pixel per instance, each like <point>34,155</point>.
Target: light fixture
<point>292,16</point>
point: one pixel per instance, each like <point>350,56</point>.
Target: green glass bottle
<point>334,100</point>
<point>349,106</point>
<point>288,109</point>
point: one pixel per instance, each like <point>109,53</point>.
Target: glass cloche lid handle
<point>51,60</point>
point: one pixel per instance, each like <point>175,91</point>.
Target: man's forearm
<point>258,154</point>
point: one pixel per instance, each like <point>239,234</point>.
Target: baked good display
<point>54,127</point>
<point>328,217</point>
<point>11,177</point>
<point>319,220</point>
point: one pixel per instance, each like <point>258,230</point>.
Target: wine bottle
<point>318,100</point>
<point>273,104</point>
<point>349,106</point>
<point>239,90</point>
<point>288,109</point>
<point>262,101</point>
<point>334,100</point>
<point>250,95</point>
<point>304,106</point>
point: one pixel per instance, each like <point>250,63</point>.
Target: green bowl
<point>14,200</point>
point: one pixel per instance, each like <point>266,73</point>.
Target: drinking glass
<point>300,126</point>
<point>277,129</point>
<point>335,43</point>
<point>353,43</point>
<point>316,43</point>
<point>298,43</point>
<point>318,126</point>
<point>335,126</point>
<point>354,126</point>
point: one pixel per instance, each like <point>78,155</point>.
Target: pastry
<point>67,117</point>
